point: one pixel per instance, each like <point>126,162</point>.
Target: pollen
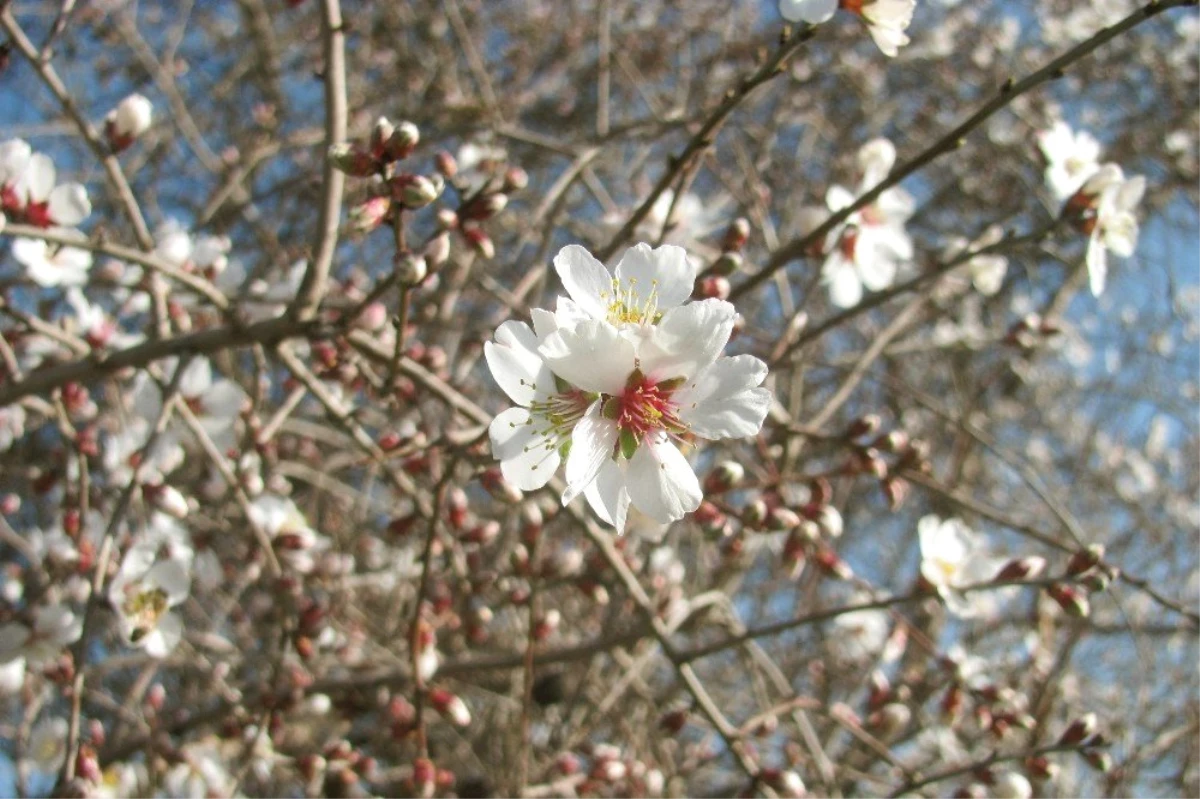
<point>626,305</point>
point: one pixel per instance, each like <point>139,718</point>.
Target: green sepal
<point>611,408</point>
<point>629,443</point>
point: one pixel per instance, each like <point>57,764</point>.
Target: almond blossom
<point>1071,158</point>
<point>143,593</point>
<point>871,245</point>
<point>670,384</point>
<point>296,543</point>
<point>886,20</point>
<point>1113,226</point>
<point>54,627</point>
<point>51,265</point>
<point>28,190</point>
<point>953,557</point>
<point>130,119</point>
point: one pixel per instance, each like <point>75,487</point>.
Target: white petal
<point>666,270</point>
<point>725,400</point>
<point>592,356</point>
<point>69,205</point>
<point>172,577</point>
<point>38,179</point>
<point>1097,264</point>
<point>196,378</point>
<point>875,160</point>
<point>1130,193</point>
<point>607,495</point>
<point>838,197</point>
<point>661,482</point>
<point>1121,234</point>
<point>888,40</point>
<point>163,639</point>
<point>527,460</point>
<point>839,274</point>
<point>515,363</point>
<point>592,442</point>
<point>585,279</point>
<point>687,339</point>
<point>544,323</point>
<point>224,400</point>
<point>810,11</point>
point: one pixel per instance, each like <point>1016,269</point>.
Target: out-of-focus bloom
<point>1071,158</point>
<point>28,190</point>
<point>861,634</point>
<point>811,11</point>
<point>296,543</point>
<point>952,557</point>
<point>1114,226</point>
<point>986,271</point>
<point>48,744</point>
<point>869,248</point>
<point>51,265</point>
<point>54,627</point>
<point>143,593</point>
<point>886,20</point>
<point>1011,785</point>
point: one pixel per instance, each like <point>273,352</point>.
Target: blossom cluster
<point>616,379</point>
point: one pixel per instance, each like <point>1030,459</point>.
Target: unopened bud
<point>724,476</point>
<point>485,207</point>
<point>1080,730</point>
<point>403,141</point>
<point>1101,761</point>
<point>1098,578</point>
<point>1027,568</point>
<point>828,561</point>
<point>168,499</point>
<point>896,490</point>
<point>889,720</point>
<point>1071,599</point>
<point>515,179</point>
<point>410,269</point>
<point>437,251</point>
<point>713,287</point>
<point>353,160</point>
<point>1085,559</point>
<point>782,518</point>
<point>755,514</point>
<point>736,235</point>
<point>864,426</point>
<point>424,777</point>
<point>417,191</point>
<point>546,626</point>
<point>893,441</point>
<point>730,263</point>
<point>673,721</point>
<point>829,521</point>
<point>130,119</point>
<point>381,132</point>
<point>368,215</point>
<point>450,706</point>
<point>1011,785</point>
<point>480,242</point>
<point>1041,768</point>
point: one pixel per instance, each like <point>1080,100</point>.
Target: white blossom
<point>29,190</point>
<point>1071,158</point>
<point>952,557</point>
<point>131,118</point>
<point>1114,227</point>
<point>47,746</point>
<point>51,265</point>
<point>143,593</point>
<point>54,627</point>
<point>871,245</point>
<point>295,541</point>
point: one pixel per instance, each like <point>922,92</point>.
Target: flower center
<point>626,306</point>
<point>145,607</point>
<point>554,418</point>
<point>848,242</point>
<point>38,214</point>
<point>643,408</point>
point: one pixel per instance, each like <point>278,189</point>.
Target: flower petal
<point>725,400</point>
<point>592,442</point>
<point>37,181</point>
<point>607,495</point>
<point>810,11</point>
<point>839,274</point>
<point>585,279</point>
<point>515,363</point>
<point>592,356</point>
<point>687,339</point>
<point>1097,264</point>
<point>667,270</point>
<point>527,460</point>
<point>69,205</point>
<point>661,482</point>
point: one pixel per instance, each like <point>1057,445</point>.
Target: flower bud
<point>494,483</point>
<point>782,518</point>
<point>417,191</point>
<point>1027,568</point>
<point>484,207</point>
<point>450,706</point>
<point>673,721</point>
<point>1011,785</point>
<point>410,269</point>
<point>889,720</point>
<point>447,219</point>
<point>736,235</point>
<point>515,179</point>
<point>1099,760</point>
<point>445,164</point>
<point>1071,599</point>
<point>713,287</point>
<point>896,490</point>
<point>437,251</point>
<point>729,263</point>
<point>829,521</point>
<point>403,141</point>
<point>381,131</point>
<point>755,513</point>
<point>353,160</point>
<point>546,626</point>
<point>864,426</point>
<point>424,777</point>
<point>828,561</point>
<point>480,242</point>
<point>370,214</point>
<point>724,476</point>
<point>1080,730</point>
<point>1085,559</point>
<point>1041,768</point>
<point>130,119</point>
<point>168,499</point>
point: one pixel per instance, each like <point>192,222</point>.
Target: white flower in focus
<point>811,11</point>
<point>953,556</point>
<point>54,627</point>
<point>887,21</point>
<point>143,593</point>
<point>871,244</point>
<point>528,439</point>
<point>130,119</point>
<point>1071,158</point>
<point>671,383</point>
<point>1114,227</point>
<point>644,285</point>
<point>51,265</point>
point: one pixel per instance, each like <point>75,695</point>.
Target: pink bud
<point>1080,730</point>
<point>450,706</point>
<point>1027,568</point>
